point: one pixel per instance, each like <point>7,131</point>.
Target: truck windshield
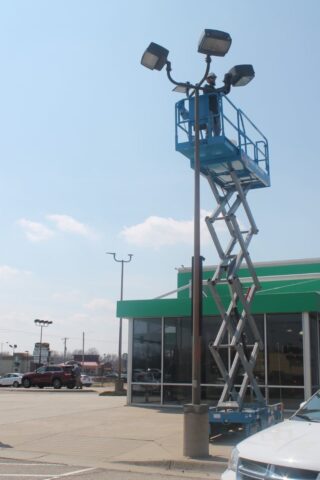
<point>310,412</point>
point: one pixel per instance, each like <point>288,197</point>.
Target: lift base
<point>251,418</point>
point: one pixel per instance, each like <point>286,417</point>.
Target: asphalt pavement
<point>80,434</point>
<point>15,469</point>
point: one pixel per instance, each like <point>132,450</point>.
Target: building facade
<point>287,313</point>
<point>19,362</point>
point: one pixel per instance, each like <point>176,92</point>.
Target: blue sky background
<point>88,159</point>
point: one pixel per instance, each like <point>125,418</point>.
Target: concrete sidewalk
<point>86,429</point>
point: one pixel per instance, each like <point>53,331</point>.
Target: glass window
<point>146,394</point>
<point>314,349</point>
<point>248,340</point>
<point>210,372</point>
<point>285,349</point>
<point>177,395</point>
<point>146,350</point>
<point>250,395</point>
<point>177,350</point>
<point>290,397</point>
<point>211,395</point>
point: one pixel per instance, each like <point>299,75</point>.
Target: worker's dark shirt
<point>213,99</point>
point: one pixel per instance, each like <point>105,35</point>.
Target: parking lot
<point>79,434</point>
<point>46,471</point>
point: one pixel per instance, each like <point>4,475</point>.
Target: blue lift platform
<point>234,158</point>
<point>239,146</point>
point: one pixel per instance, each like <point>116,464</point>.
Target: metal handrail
<point>258,149</point>
<point>237,127</point>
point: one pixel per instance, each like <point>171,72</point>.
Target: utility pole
<point>65,348</point>
<point>82,349</point>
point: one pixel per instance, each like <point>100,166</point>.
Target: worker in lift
<point>210,87</point>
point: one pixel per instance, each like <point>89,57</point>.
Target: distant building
<point>20,362</point>
<point>89,363</point>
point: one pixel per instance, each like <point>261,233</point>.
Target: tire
<point>40,386</point>
<point>15,384</point>
<point>26,383</point>
<point>56,383</point>
<point>71,386</point>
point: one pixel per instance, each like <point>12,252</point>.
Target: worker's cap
<point>212,76</point>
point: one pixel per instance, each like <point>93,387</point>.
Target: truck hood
<point>291,443</point>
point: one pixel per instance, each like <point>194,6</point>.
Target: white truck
<point>287,451</point>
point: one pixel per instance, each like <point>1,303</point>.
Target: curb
<point>217,465</point>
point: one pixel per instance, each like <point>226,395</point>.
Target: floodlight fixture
<point>241,75</point>
<point>44,323</point>
<point>181,89</point>
<point>155,57</point>
<point>214,42</point>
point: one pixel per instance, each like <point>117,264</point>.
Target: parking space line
<point>69,474</point>
<point>44,476</point>
<point>34,464</point>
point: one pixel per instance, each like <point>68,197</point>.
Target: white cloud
<point>101,303</point>
<point>159,231</point>
<point>68,224</point>
<point>7,272</point>
<point>34,231</point>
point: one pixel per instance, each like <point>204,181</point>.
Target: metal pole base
<point>196,431</point>
<point>118,386</point>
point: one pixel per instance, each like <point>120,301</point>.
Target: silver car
<point>11,380</point>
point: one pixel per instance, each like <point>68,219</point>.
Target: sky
<point>88,163</point>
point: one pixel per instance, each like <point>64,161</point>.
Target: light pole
<point>13,346</point>
<point>212,43</point>
<point>119,383</point>
<point>27,352</point>
<point>41,324</point>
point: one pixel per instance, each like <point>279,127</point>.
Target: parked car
<point>287,450</point>
<point>55,376</point>
<point>11,380</point>
<point>111,375</point>
<point>86,380</point>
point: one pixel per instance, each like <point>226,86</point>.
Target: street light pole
<point>216,43</point>
<point>41,324</point>
<point>119,383</point>
<point>13,346</point>
<point>27,352</point>
<point>196,280</point>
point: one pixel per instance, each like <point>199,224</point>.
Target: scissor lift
<point>234,159</point>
